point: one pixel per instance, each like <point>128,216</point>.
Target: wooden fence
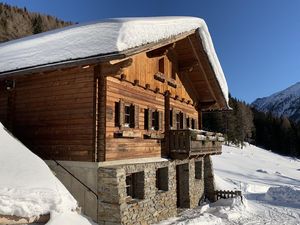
<point>228,194</point>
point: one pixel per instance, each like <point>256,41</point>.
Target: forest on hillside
<point>244,123</point>
<point>18,22</point>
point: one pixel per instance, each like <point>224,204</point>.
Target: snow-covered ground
<point>28,187</point>
<point>270,184</point>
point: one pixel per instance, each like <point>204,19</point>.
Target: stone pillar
<point>209,182</point>
<point>111,199</point>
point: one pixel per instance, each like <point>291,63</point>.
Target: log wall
<point>138,86</point>
<point>54,113</point>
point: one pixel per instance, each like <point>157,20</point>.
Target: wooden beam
<point>160,51</point>
<point>101,113</point>
<point>167,124</point>
<point>201,67</point>
<point>115,68</point>
<point>188,66</point>
<point>189,86</point>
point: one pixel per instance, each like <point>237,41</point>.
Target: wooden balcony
<point>193,143</point>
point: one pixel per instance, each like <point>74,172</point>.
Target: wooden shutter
<point>184,125</point>
<point>121,113</point>
<point>150,119</point>
<point>136,116</point>
<point>174,119</point>
<point>160,119</point>
<point>132,116</point>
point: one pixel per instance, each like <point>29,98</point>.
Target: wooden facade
<point>112,109</point>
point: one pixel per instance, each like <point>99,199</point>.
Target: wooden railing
<point>186,143</point>
<point>228,194</point>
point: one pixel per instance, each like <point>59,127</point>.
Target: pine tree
<point>37,25</point>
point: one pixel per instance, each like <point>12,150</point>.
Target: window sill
<point>154,135</point>
<point>127,134</point>
<point>130,200</point>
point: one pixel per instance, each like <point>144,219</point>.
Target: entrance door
<point>182,183</point>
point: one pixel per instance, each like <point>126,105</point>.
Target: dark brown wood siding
<point>53,114</point>
<point>3,103</point>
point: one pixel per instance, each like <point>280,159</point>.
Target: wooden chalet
<point>133,118</point>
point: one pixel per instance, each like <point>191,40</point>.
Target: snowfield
<point>270,184</point>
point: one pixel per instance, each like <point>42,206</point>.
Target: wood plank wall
<point>3,103</point>
<point>54,114</point>
<point>145,95</point>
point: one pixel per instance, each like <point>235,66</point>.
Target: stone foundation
<point>154,205</point>
<point>143,191</point>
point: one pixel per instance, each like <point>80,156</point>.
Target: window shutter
<point>161,119</point>
<point>136,116</point>
<point>174,119</point>
<point>121,113</point>
<point>150,119</point>
<point>184,125</point>
<point>132,116</point>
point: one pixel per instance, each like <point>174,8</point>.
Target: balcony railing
<point>188,143</point>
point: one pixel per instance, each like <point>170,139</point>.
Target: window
<point>162,179</point>
<point>155,120</point>
<point>193,123</point>
<point>126,115</point>
<point>179,120</point>
<point>161,65</point>
<point>198,170</point>
<point>135,185</point>
<point>188,123</point>
<point>171,118</point>
<point>173,75</point>
<point>152,119</point>
<point>146,120</point>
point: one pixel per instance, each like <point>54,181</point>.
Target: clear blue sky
<point>257,41</point>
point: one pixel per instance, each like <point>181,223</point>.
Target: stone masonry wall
<point>156,205</point>
<point>196,185</point>
<point>209,181</point>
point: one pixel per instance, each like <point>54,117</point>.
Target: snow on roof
<point>103,38</point>
<point>27,185</point>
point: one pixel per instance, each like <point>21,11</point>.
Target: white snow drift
<point>271,187</point>
<point>102,38</point>
<point>27,186</point>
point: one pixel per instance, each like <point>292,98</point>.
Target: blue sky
<point>257,41</point>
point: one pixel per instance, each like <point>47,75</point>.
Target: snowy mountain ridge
<point>283,103</point>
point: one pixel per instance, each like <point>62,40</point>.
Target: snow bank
<point>216,213</point>
<point>69,218</point>
<point>283,194</point>
<point>27,186</point>
<point>101,38</point>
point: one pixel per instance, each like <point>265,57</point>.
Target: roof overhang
<point>203,79</point>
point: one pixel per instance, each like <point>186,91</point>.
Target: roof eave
<point>95,59</point>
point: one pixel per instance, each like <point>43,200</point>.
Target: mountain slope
<point>283,103</point>
<point>16,22</point>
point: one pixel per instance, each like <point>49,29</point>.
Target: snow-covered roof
<point>111,36</point>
